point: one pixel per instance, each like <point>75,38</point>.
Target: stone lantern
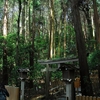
<point>23,73</point>
<point>22,76</point>
<point>68,72</point>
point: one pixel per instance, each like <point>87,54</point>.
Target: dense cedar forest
<point>32,30</point>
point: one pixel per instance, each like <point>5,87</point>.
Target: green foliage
<point>71,49</point>
<point>11,55</point>
<point>94,59</point>
<point>56,75</point>
<point>24,48</point>
<point>87,84</point>
<point>37,70</point>
<point>1,10</point>
<point>1,45</point>
<point>36,4</point>
<point>11,44</point>
<point>1,50</point>
<point>41,42</point>
<point>41,46</point>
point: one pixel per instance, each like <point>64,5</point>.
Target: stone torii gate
<point>59,62</point>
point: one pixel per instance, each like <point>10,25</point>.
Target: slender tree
<point>18,36</point>
<point>51,17</point>
<point>64,24</point>
<point>23,18</point>
<point>31,53</point>
<point>96,22</point>
<point>5,32</point>
<point>86,85</point>
<point>97,31</point>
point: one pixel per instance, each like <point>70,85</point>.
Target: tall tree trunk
<point>5,31</point>
<point>31,52</point>
<point>5,20</point>
<point>18,37</point>
<point>29,28</point>
<point>51,4</point>
<point>11,21</point>
<point>90,30</point>
<point>65,39</point>
<point>97,30</point>
<point>23,19</point>
<point>89,27</point>
<point>96,22</point>
<point>63,26</point>
<point>86,85</point>
<point>59,40</point>
<point>5,67</point>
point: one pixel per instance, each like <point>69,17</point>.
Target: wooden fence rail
<point>87,98</point>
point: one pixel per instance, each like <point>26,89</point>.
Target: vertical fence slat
<point>77,97</point>
<point>94,98</point>
<point>90,98</point>
<point>87,98</point>
<point>83,97</point>
<point>98,98</point>
<point>80,97</point>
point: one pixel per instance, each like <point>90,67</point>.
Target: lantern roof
<point>58,61</point>
<point>64,66</point>
<point>23,70</point>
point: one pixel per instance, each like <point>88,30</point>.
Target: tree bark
<point>97,30</point>
<point>18,37</point>
<point>88,18</point>
<point>5,31</point>
<point>51,5</point>
<point>63,26</point>
<point>96,22</point>
<point>23,19</point>
<point>31,52</point>
<point>86,86</point>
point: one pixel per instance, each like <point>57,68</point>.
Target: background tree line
<point>48,29</point>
